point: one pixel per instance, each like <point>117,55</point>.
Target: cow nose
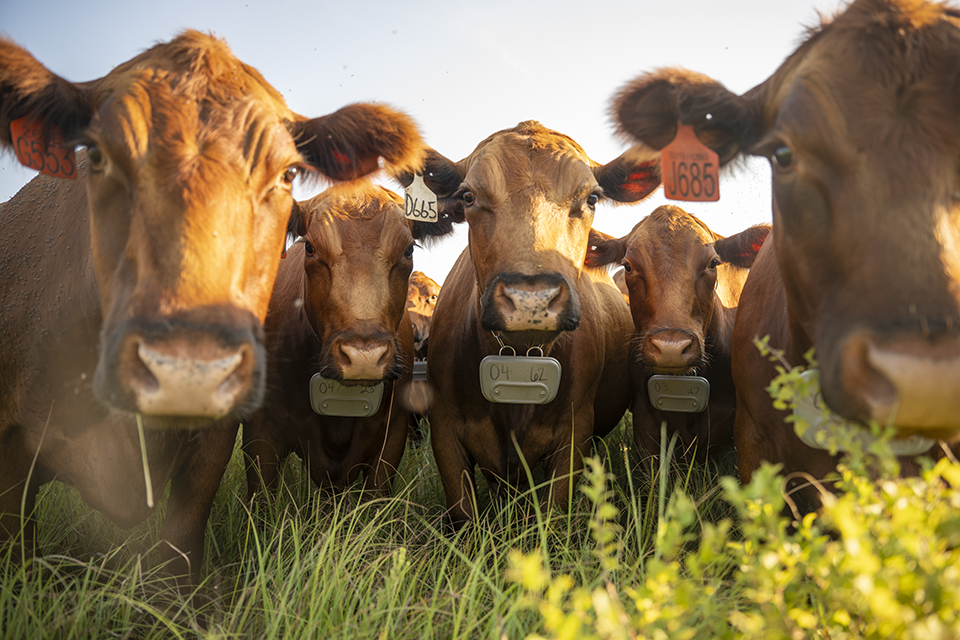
<point>911,384</point>
<point>363,361</point>
<point>527,306</point>
<point>173,383</point>
<point>673,350</point>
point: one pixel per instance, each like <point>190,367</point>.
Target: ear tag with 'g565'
<point>690,169</point>
<point>43,150</point>
<point>419,202</point>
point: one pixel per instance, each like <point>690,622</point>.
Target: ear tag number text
<point>690,169</point>
<point>419,202</point>
<point>45,153</point>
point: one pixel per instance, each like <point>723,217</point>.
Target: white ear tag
<point>419,202</point>
<point>330,398</point>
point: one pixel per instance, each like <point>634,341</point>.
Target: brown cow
<point>528,195</point>
<point>142,287</point>
<point>684,282</point>
<point>421,299</point>
<point>338,310</point>
<point>863,263</point>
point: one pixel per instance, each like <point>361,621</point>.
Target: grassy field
<point>677,552</point>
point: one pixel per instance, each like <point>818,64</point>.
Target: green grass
<point>671,551</point>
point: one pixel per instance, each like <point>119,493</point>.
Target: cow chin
<point>180,374</point>
<point>909,383</point>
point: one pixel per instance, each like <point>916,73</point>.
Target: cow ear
<point>297,226</point>
<point>603,249</point>
<point>349,142</point>
<point>631,177</point>
<point>27,88</point>
<point>741,249</point>
<point>647,110</point>
<point>443,178</point>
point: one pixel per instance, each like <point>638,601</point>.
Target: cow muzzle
<point>364,358</point>
<point>185,374</point>
<point>543,302</point>
<point>671,351</point>
<point>913,385</point>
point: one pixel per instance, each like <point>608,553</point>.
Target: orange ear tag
<point>35,150</point>
<point>691,169</point>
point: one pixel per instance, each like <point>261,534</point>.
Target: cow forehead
<point>187,102</point>
<point>875,79</point>
<point>530,158</point>
<point>352,219</point>
<point>668,231</point>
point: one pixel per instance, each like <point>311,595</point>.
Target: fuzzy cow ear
<point>631,177</point>
<point>297,225</point>
<point>61,109</point>
<point>603,249</point>
<point>647,110</point>
<point>741,249</point>
<point>349,142</point>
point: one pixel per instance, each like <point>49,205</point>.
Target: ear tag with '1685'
<point>684,394</point>
<point>690,169</point>
<point>519,379</point>
<point>419,203</point>
<point>331,398</point>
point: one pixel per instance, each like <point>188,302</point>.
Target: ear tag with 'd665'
<point>419,203</point>
<point>519,379</point>
<point>331,398</point>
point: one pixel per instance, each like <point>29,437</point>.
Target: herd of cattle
<point>158,290</point>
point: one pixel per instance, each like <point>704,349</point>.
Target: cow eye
<point>409,252</point>
<point>782,156</point>
<point>95,157</point>
<point>433,298</point>
<point>290,175</point>
<point>468,198</point>
<point>308,248</point>
<point>626,267</point>
<point>592,200</point>
<point>714,264</point>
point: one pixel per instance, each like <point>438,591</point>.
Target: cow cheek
<point>109,232</point>
<point>269,240</point>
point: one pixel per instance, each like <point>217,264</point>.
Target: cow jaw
<point>909,385</point>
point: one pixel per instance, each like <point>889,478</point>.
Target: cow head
<point>422,292</point>
<point>862,132</point>
<point>357,254</point>
<point>528,195</point>
<point>189,164</point>
<point>677,271</point>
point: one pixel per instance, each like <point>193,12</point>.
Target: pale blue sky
<point>462,69</point>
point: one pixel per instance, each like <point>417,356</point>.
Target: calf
<point>684,283</point>
<point>863,264</point>
<point>141,287</point>
<point>337,310</point>
<point>422,294</point>
<point>528,195</point>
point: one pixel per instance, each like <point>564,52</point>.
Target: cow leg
<point>192,491</point>
<point>263,457</point>
<point>456,471</point>
<point>19,485</point>
<point>380,476</point>
<point>565,465</point>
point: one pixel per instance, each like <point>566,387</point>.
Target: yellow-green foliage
<point>880,560</point>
